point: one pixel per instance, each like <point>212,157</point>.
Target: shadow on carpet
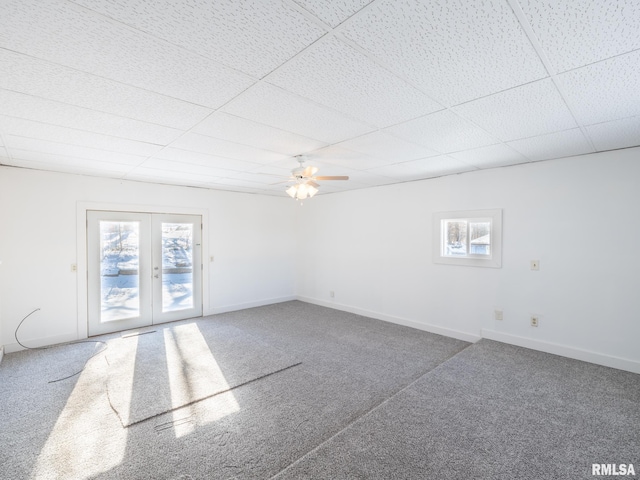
<point>155,372</point>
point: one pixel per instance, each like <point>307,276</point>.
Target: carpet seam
<point>194,401</point>
<point>375,407</point>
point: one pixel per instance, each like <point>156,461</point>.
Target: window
<point>468,238</point>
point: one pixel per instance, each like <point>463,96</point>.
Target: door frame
<point>82,329</point>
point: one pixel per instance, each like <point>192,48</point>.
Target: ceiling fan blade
<point>309,171</point>
<point>335,177</point>
<point>313,184</point>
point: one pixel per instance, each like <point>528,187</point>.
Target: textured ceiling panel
<point>75,37</point>
<point>271,105</point>
<point>424,168</point>
<point>168,176</point>
<point>253,36</point>
<point>334,74</point>
<point>196,158</point>
<point>553,145</point>
<point>243,131</point>
<point>336,155</point>
<point>42,79</point>
<point>491,156</point>
<point>180,167</point>
<point>65,163</point>
<point>223,148</point>
<point>533,109</point>
<point>575,33</point>
<point>437,166</point>
<point>75,151</point>
<point>617,134</point>
<point>606,90</point>
<point>53,133</point>
<point>387,147</point>
<point>333,13</point>
<point>222,94</point>
<point>61,114</point>
<point>444,132</point>
<point>455,51</point>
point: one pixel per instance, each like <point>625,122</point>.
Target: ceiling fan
<point>305,179</point>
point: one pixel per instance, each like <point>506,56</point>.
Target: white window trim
<point>494,261</point>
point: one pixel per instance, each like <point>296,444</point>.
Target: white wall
<point>250,236</point>
<point>372,247</point>
<point>578,216</point>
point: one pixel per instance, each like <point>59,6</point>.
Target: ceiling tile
<point>65,163</point>
<point>43,79</point>
<point>526,111</point>
<point>491,156</point>
<point>616,134</point>
<point>333,13</point>
<point>253,36</point>
<point>223,148</point>
<point>604,91</point>
<point>240,130</point>
<point>196,158</point>
<point>444,132</point>
<point>575,33</point>
<point>437,166</point>
<point>53,133</point>
<point>168,176</point>
<point>74,151</point>
<point>387,147</point>
<point>553,145</point>
<point>334,74</point>
<point>185,167</point>
<point>64,115</point>
<point>336,155</point>
<point>95,44</point>
<point>454,51</point>
<point>403,173</point>
<point>268,104</point>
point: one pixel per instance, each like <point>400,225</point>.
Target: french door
<point>144,268</point>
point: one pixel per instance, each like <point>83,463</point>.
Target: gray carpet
<point>370,400</point>
<point>494,411</point>
<point>172,366</point>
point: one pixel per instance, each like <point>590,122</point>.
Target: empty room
<point>329,240</point>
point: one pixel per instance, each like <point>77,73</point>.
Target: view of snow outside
<point>463,238</point>
<point>120,275</point>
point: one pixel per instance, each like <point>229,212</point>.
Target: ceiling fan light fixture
<point>300,191</point>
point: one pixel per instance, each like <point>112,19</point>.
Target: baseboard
<point>242,306</point>
<point>447,332</point>
<point>39,342</point>
<point>565,351</point>
<point>1,353</point>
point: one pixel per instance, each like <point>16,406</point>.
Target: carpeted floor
<point>369,400</point>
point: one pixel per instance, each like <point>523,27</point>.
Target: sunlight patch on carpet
<point>176,366</point>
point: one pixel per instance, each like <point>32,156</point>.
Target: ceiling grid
<point>223,95</point>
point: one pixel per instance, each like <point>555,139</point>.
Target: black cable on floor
<point>15,334</point>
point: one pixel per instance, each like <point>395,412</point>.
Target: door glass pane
<point>177,266</point>
<point>119,270</point>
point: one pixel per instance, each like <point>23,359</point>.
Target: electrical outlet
<point>535,320</point>
<point>74,267</point>
<point>535,264</point>
<point>497,314</point>
<point>332,294</point>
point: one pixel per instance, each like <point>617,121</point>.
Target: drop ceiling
<point>223,94</point>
